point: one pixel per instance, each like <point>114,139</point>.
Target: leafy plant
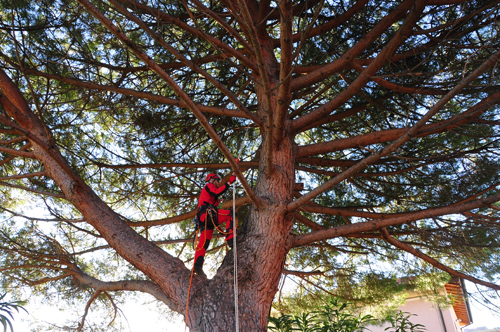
<point>305,323</point>
<point>7,310</point>
<point>333,317</point>
<point>281,324</point>
<point>401,323</point>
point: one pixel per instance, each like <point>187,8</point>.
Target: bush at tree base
<point>335,317</point>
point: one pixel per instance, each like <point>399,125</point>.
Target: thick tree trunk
<point>261,246</point>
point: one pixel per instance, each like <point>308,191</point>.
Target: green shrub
<point>400,322</point>
<point>334,317</point>
<point>331,318</point>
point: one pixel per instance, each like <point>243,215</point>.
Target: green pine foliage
<point>7,311</point>
<point>121,128</point>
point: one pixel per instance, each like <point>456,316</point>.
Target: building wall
<point>428,314</point>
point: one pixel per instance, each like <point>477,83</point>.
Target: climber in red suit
<point>210,217</point>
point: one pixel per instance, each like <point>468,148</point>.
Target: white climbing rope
<point>235,252</point>
<point>236,314</point>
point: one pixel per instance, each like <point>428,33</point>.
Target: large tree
<point>366,128</point>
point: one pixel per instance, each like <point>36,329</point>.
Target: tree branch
<point>14,140</point>
<point>399,88</point>
<point>178,90</point>
<point>41,192</point>
<point>264,78</point>
<point>123,285</point>
<point>188,63</point>
<point>146,256</point>
<point>286,60</point>
<point>432,261</point>
<point>336,117</point>
<point>326,71</point>
<point>392,134</point>
<point>403,33</point>
<point>401,140</point>
<point>223,23</point>
<point>346,212</point>
<point>306,221</point>
<point>23,176</point>
<point>373,225</point>
<point>333,23</point>
<point>17,153</point>
<point>303,274</point>
<point>134,5</point>
<point>135,93</point>
<point>9,159</point>
<point>87,307</point>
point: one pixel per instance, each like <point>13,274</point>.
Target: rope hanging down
<point>235,252</point>
<point>236,314</point>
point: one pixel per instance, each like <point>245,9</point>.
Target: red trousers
<point>208,222</point>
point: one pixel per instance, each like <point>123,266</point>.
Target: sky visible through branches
<point>370,140</point>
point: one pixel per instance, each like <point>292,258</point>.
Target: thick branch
<point>25,147</point>
<point>123,285</point>
<point>23,176</point>
<point>286,46</point>
<point>264,80</point>
<point>14,140</point>
<point>146,256</point>
<point>373,225</point>
<point>178,90</point>
<point>326,71</point>
<point>303,274</point>
<point>18,153</point>
<point>392,134</point>
<point>190,64</point>
<point>417,253</point>
<point>138,94</point>
<point>403,33</point>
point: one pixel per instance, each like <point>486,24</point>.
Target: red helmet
<point>212,176</point>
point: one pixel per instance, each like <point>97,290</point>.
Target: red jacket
<point>210,193</point>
